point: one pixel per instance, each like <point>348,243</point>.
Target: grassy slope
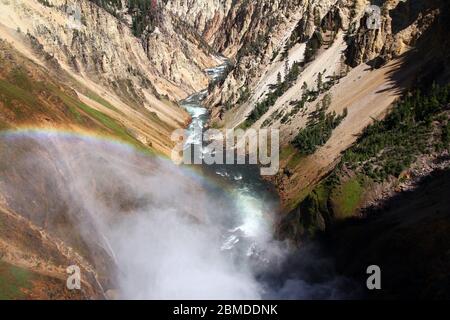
<point>14,281</point>
<point>417,125</point>
<point>30,96</point>
<point>347,197</point>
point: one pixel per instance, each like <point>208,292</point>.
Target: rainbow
<point>85,135</point>
<point>251,210</point>
<point>107,142</point>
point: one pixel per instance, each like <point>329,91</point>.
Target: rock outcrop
<point>401,24</point>
<point>331,42</point>
<point>97,53</point>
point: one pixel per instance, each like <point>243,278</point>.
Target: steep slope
<point>97,80</point>
<point>256,35</point>
<point>30,96</point>
<point>408,239</point>
<point>205,16</point>
<point>33,263</point>
<point>319,62</point>
<point>368,93</point>
<point>66,200</point>
<point>88,78</point>
<point>359,120</point>
<point>133,81</point>
<point>390,156</point>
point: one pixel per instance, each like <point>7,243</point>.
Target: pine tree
<point>304,87</point>
<point>286,70</point>
<point>279,80</point>
<point>319,82</point>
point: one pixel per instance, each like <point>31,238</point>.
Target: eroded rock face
<point>402,24</point>
<point>101,45</point>
<point>141,76</point>
<point>262,43</point>
<point>256,33</point>
<point>205,16</point>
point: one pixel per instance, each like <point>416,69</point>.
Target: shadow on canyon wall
<point>408,238</point>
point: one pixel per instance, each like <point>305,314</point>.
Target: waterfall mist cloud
<point>143,211</point>
<point>153,229</point>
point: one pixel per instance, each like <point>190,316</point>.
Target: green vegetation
<point>307,96</point>
<point>117,4</point>
<point>312,46</point>
<point>45,3</point>
<point>388,147</point>
<point>385,149</point>
<point>145,13</point>
<point>12,281</point>
<point>310,95</point>
<point>92,95</point>
<point>273,117</point>
<point>310,217</point>
<point>27,98</point>
<point>319,128</point>
<point>255,47</point>
<point>19,94</point>
<point>219,81</point>
<point>446,135</point>
<point>296,36</point>
<point>287,151</point>
<point>347,197</point>
<point>257,44</point>
<point>119,131</point>
<point>295,160</point>
<point>16,94</point>
<point>275,91</point>
<point>291,74</point>
<point>244,94</point>
<point>330,25</point>
<point>311,221</point>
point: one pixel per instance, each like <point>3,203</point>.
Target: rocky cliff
<point>315,56</point>
<point>80,67</point>
<point>360,95</point>
<point>348,85</point>
<point>97,52</point>
<point>205,16</point>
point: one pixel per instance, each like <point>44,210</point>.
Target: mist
<point>157,227</point>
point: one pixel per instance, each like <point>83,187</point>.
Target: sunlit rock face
<point>205,16</point>
<point>100,45</point>
<point>135,78</point>
<point>257,33</point>
<point>402,24</point>
<point>265,45</point>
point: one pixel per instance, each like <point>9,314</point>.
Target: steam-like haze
<point>160,225</point>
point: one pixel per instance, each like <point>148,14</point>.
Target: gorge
<point>92,91</point>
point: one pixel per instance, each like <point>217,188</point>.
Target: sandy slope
<point>328,62</point>
<point>368,95</point>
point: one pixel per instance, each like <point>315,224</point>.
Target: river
<point>252,204</point>
<point>251,201</point>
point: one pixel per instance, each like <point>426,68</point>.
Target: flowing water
<point>248,228</point>
<point>252,201</point>
<point>139,215</point>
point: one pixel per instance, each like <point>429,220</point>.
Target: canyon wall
<point>135,80</point>
<point>361,67</point>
